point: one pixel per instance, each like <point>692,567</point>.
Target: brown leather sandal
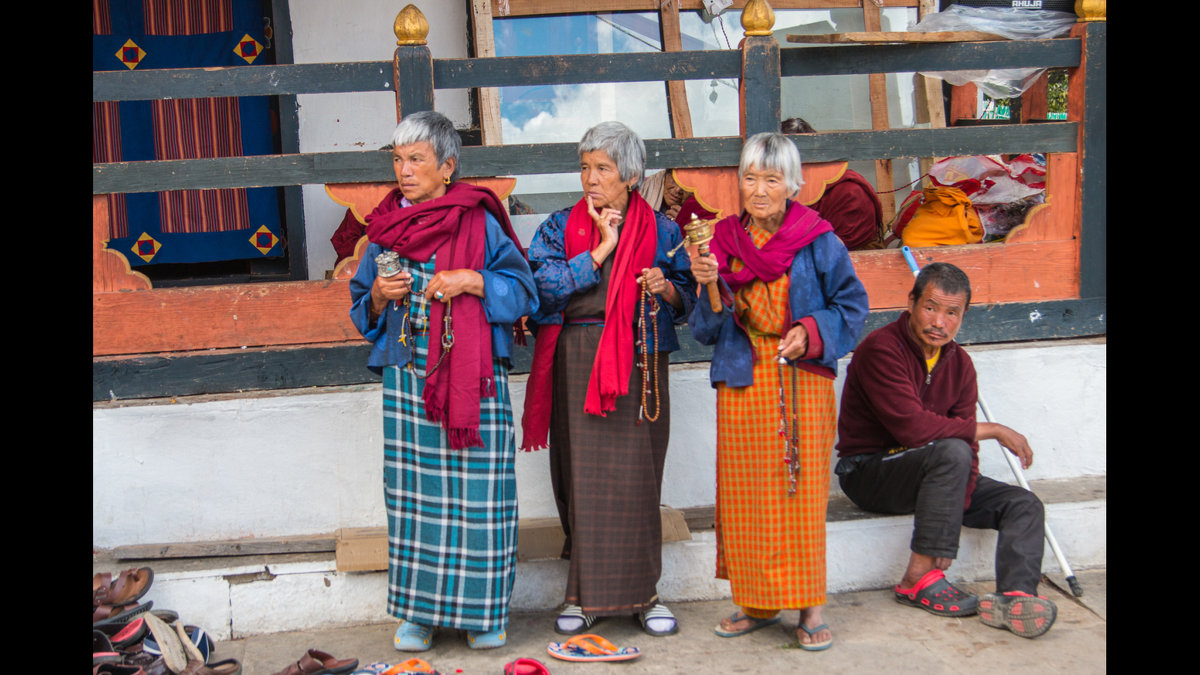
<point>125,589</point>
<point>316,662</point>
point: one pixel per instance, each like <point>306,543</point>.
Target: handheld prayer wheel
<point>388,264</point>
<point>700,232</point>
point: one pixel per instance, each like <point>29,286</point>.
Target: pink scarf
<point>800,227</point>
<point>454,228</point>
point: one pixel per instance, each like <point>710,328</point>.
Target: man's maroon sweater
<point>890,401</point>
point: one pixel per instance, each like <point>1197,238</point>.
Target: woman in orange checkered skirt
<point>792,307</point>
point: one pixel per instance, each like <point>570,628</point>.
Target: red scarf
<point>800,227</point>
<point>454,228</point>
<point>614,356</point>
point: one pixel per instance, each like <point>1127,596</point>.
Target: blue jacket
<point>509,294</point>
<point>559,278</point>
<point>823,286</point>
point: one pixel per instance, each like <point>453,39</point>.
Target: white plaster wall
<point>309,461</point>
<point>239,467</point>
<point>325,32</point>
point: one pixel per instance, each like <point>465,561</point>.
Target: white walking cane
<point>1012,464</point>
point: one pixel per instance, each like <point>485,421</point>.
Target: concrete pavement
<point>872,633</point>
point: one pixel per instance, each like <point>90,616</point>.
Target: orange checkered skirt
<point>771,546</point>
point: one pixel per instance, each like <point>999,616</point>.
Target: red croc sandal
<point>1026,615</point>
<point>936,595</point>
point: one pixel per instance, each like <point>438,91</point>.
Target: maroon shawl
<point>454,227</point>
<point>614,356</point>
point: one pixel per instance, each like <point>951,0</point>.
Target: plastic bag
<point>1014,24</point>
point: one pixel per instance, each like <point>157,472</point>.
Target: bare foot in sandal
<point>812,633</point>
<point>739,623</point>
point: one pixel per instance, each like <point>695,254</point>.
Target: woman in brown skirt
<point>598,386</point>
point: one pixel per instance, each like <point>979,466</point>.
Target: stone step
<point>237,596</point>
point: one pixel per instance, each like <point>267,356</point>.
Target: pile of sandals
<point>131,638</point>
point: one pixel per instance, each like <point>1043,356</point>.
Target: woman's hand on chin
<point>606,221</point>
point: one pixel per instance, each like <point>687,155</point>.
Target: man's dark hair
<point>796,125</point>
<point>945,277</point>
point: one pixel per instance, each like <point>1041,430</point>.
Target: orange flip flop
<point>411,666</point>
<point>591,647</point>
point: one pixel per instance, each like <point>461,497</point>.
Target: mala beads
<point>789,432</point>
<point>389,265</point>
<point>447,339</point>
<point>644,352</point>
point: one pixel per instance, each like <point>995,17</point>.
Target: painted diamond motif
<point>146,247</point>
<point>264,240</point>
<point>130,54</point>
<point>248,48</point>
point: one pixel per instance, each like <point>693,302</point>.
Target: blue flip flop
<point>815,646</point>
<point>755,624</point>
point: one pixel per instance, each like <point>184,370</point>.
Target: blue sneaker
<point>488,640</point>
<point>413,637</point>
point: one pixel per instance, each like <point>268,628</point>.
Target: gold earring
<point>446,180</point>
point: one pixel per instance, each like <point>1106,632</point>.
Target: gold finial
<point>411,27</point>
<point>758,18</point>
<point>1091,10</point>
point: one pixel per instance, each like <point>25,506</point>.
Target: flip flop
<point>755,624</point>
<point>173,652</point>
<point>411,667</point>
<point>815,646</point>
<point>376,668</point>
<point>526,667</point>
<point>124,634</point>
<point>195,635</point>
<point>591,647</point>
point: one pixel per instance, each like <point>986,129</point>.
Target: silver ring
<point>439,295</point>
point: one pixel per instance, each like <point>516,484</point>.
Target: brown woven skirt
<point>607,476</point>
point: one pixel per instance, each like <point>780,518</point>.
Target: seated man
<point>909,443</point>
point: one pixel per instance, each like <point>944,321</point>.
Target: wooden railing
<point>1050,275</point>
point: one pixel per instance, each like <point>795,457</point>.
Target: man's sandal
<point>1026,615</point>
<point>936,595</point>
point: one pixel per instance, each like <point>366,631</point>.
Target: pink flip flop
<point>526,667</point>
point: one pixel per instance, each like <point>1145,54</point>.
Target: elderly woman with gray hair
<point>793,306</point>
<point>441,285</point>
<point>610,297</point>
